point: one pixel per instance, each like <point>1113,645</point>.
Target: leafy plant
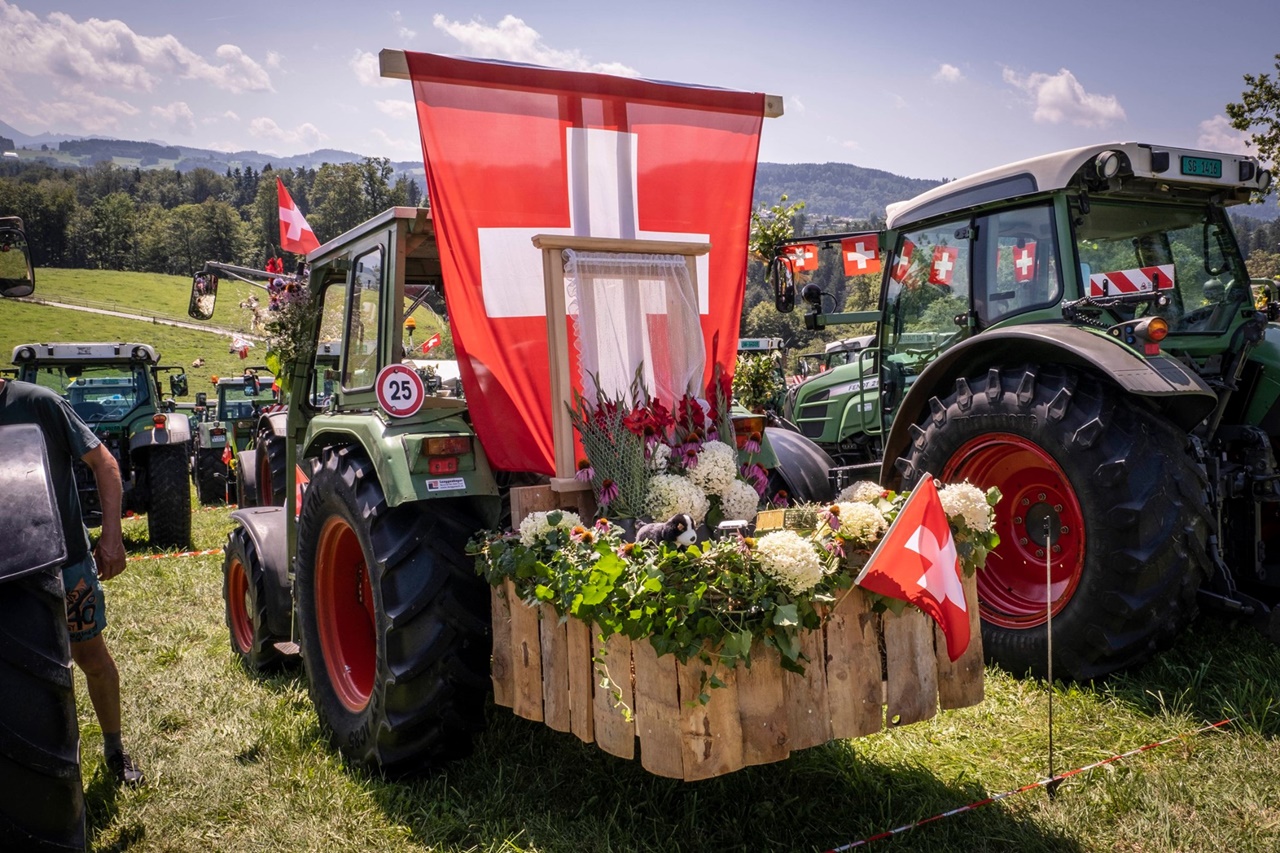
<point>771,227</point>
<point>757,382</point>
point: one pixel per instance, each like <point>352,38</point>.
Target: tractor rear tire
<point>169,496</point>
<point>271,464</point>
<point>41,798</point>
<point>394,622</point>
<point>211,477</point>
<point>1125,504</point>
<point>247,478</point>
<point>245,597</point>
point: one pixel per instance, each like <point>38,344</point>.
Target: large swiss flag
<point>514,150</point>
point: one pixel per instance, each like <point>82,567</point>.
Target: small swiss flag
<point>902,265</point>
<point>944,265</point>
<point>431,342</point>
<point>804,255</point>
<point>295,234</point>
<point>916,562</point>
<point>861,254</point>
<point>1024,263</point>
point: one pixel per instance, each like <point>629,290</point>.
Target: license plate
<point>218,440</point>
<point>1202,167</point>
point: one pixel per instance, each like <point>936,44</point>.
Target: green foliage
<point>771,227</point>
<point>758,383</point>
<point>1259,113</point>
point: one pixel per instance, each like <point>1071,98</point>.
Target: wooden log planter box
<point>866,671</point>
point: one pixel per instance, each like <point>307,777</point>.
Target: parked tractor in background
<point>1078,330</point>
<point>391,619</point>
<point>225,429</point>
<point>114,388</point>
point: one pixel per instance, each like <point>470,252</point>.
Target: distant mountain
<point>835,190</point>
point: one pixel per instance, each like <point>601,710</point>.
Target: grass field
<point>239,763</point>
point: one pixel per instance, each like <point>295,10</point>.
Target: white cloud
<point>1060,98</point>
<point>305,135</point>
<point>793,105</point>
<point>404,32</point>
<point>404,147</point>
<point>108,55</point>
<point>947,74</point>
<point>397,109</point>
<point>514,40</point>
<point>86,111</point>
<point>274,60</point>
<point>1217,134</point>
<point>367,70</point>
<point>177,117</point>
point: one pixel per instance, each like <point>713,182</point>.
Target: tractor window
<point>361,364</point>
<point>1017,268</point>
<point>97,392</point>
<point>1187,251</point>
<point>324,374</point>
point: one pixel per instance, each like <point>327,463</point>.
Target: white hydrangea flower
<point>790,559</point>
<point>967,501</point>
<point>672,493</point>
<point>861,522</point>
<point>535,524</point>
<point>740,501</point>
<point>717,467</point>
<point>660,456</point>
<point>863,491</point>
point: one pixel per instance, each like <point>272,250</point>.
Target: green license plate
<point>1202,167</point>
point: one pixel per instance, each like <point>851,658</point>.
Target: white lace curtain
<point>632,310</point>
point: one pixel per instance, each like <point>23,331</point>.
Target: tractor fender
<point>804,466</point>
<point>247,470</point>
<point>175,431</point>
<point>275,422</point>
<point>1173,390</point>
<point>266,528</point>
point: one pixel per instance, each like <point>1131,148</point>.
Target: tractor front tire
<point>271,464</point>
<point>1123,501</point>
<point>169,497</point>
<point>211,476</point>
<point>41,798</point>
<point>245,596</point>
<point>394,622</point>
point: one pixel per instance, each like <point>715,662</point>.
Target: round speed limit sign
<point>400,390</point>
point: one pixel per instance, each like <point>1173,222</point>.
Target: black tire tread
<point>169,513</point>
<point>273,446</point>
<point>262,655</point>
<point>211,476</point>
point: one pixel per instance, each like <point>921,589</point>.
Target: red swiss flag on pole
<point>295,234</point>
<point>515,150</point>
<point>431,342</point>
<point>916,562</point>
<point>861,254</point>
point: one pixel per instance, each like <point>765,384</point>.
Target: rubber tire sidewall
<point>211,476</point>
<point>169,491</point>
<point>1143,501</point>
<point>261,654</point>
<point>440,641</point>
<point>271,450</point>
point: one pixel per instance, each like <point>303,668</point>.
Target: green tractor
<point>226,429</point>
<point>114,388</point>
<point>363,569</point>
<point>1079,330</point>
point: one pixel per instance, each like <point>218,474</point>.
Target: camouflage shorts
<point>86,604</point>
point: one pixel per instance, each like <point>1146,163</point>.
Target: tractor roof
<point>1158,170</point>
<point>99,353</point>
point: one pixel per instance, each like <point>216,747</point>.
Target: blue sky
<point>927,89</point>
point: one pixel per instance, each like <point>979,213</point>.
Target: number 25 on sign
<point>400,390</point>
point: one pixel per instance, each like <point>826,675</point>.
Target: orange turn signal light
<point>450,445</point>
<point>1156,329</point>
<point>744,428</point>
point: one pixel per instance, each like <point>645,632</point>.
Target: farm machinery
<point>226,428</point>
<point>1078,330</point>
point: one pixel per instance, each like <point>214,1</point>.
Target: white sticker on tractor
<point>449,485</point>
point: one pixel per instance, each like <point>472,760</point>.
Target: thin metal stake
<point>1051,787</point>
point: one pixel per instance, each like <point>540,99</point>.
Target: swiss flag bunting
<point>944,264</point>
<point>1024,263</point>
<point>916,562</point>
<point>805,256</point>
<point>295,234</point>
<point>861,254</point>
<point>902,265</point>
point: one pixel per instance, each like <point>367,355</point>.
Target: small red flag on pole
<point>431,342</point>
<point>295,234</point>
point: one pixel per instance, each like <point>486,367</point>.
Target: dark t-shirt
<point>66,439</point>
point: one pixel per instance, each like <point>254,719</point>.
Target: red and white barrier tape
<point>1043,783</point>
<point>178,554</point>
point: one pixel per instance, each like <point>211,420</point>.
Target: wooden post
<point>581,680</point>
<point>710,734</point>
<point>657,711</point>
<point>960,684</point>
<point>615,733</point>
<point>854,682</point>
<point>500,663</point>
<point>526,658</point>
<point>911,667</point>
<point>808,713</point>
<point>555,669</point>
<point>762,708</point>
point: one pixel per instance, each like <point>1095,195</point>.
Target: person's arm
<point>109,555</point>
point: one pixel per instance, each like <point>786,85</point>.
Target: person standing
<point>66,439</point>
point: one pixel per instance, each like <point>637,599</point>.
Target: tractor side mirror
<point>178,384</point>
<point>202,399</point>
<point>782,276</point>
<point>17,276</point>
<point>204,293</point>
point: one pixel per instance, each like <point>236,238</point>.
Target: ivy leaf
<point>785,616</point>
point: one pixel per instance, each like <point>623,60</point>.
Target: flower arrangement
<point>758,383</point>
<point>648,460</point>
<point>721,595</point>
<point>286,321</point>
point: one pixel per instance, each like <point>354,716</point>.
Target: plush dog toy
<point>678,530</point>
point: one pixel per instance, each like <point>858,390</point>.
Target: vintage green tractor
<point>114,388</point>
<point>225,429</point>
<point>1078,330</point>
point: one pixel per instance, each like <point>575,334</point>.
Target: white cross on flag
<point>861,254</point>
<point>295,234</point>
<point>1024,263</point>
<point>515,150</point>
<point>916,562</point>
<point>944,265</point>
<point>804,256</point>
<point>902,265</point>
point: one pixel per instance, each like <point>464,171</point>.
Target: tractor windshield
<point>97,392</point>
<point>236,402</point>
<point>1187,251</point>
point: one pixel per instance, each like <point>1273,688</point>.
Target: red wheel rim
<point>265,490</point>
<point>238,606</point>
<point>1012,589</point>
<point>344,614</point>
